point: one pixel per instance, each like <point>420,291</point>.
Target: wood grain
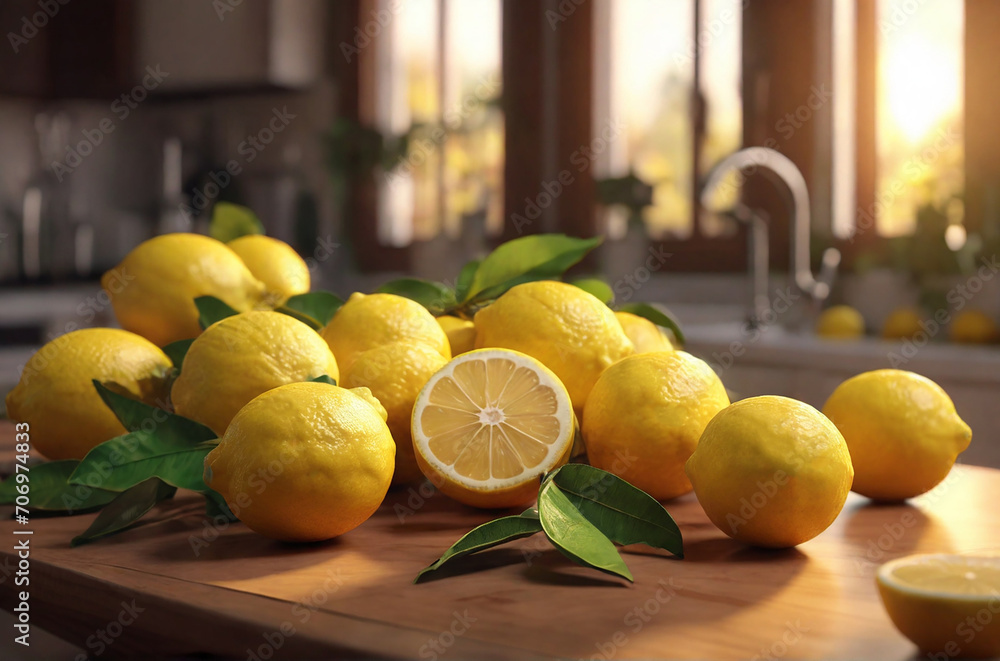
<point>354,596</point>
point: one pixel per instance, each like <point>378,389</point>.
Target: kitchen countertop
<point>182,586</point>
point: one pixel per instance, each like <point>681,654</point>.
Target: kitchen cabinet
<point>103,48</point>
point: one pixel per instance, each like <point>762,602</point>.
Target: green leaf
<point>125,461</point>
<point>597,287</point>
<point>48,489</point>
<point>465,277</point>
<point>211,310</point>
<point>325,378</point>
<point>659,315</point>
<point>176,351</point>
<point>434,296</point>
<point>216,506</point>
<point>486,536</point>
<point>127,508</point>
<point>319,306</point>
<point>624,513</point>
<point>577,538</point>
<point>138,416</point>
<point>231,221</point>
<point>528,258</point>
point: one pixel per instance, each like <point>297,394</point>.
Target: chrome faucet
<point>780,170</point>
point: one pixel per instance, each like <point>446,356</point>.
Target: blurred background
<point>389,137</point>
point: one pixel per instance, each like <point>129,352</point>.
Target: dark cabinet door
<point>65,49</point>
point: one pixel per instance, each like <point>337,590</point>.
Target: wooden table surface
<point>184,587</point>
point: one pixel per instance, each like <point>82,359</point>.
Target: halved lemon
<point>489,424</point>
<point>946,604</point>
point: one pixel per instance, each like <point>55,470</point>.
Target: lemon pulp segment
<point>492,417</point>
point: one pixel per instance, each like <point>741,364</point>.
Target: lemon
<point>902,430</point>
<point>153,289</point>
<point>275,263</point>
<point>948,605</point>
<point>240,357</point>
<point>367,321</point>
<point>840,322</point>
<point>972,327</point>
<point>489,424</point>
<point>902,323</point>
<point>56,396</point>
<point>771,471</point>
<point>643,333</point>
<point>645,415</point>
<point>570,331</point>
<point>304,461</point>
<point>395,373</point>
<point>461,333</point>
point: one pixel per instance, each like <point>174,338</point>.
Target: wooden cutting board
<point>185,587</point>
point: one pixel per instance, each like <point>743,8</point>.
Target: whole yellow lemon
<point>56,396</point>
<point>304,462</point>
<point>276,264</point>
<point>645,415</point>
<point>461,334</point>
<point>771,471</point>
<point>972,327</point>
<point>242,356</point>
<point>643,333</point>
<point>153,289</point>
<point>569,330</point>
<point>902,430</point>
<point>841,322</point>
<point>902,323</point>
<point>395,373</point>
<point>367,321</point>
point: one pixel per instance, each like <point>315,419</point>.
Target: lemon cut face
<point>489,424</point>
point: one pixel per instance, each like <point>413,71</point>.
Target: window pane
<point>720,46</point>
<point>919,117</point>
<point>650,80</point>
<point>473,160</point>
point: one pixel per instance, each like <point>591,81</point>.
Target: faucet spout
<point>779,169</point>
